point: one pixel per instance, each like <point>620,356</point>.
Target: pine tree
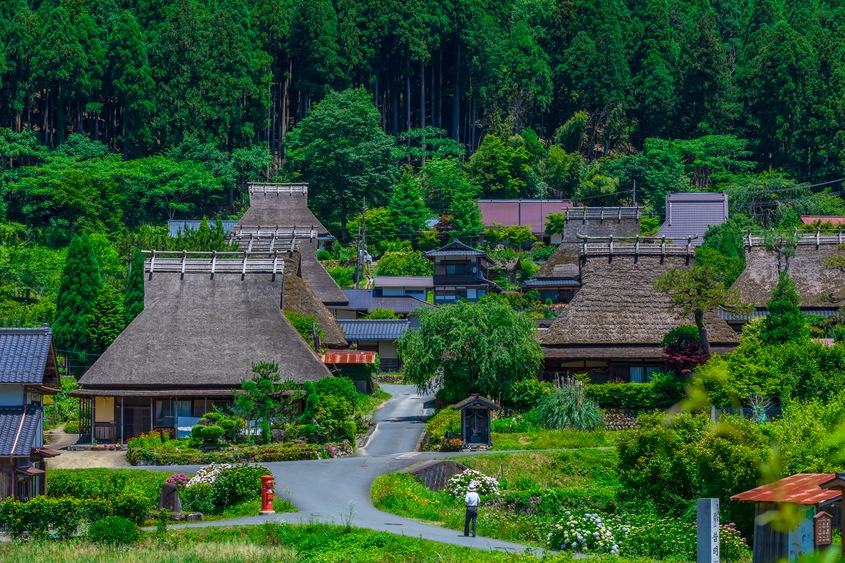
<point>133,299</point>
<point>78,289</point>
<point>107,320</point>
<point>785,322</point>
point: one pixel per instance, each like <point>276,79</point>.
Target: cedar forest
<point>117,115</point>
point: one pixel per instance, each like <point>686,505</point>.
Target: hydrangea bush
<point>588,532</point>
<point>459,484</point>
<point>208,473</point>
<point>179,479</point>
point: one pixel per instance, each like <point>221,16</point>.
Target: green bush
<point>233,454</point>
<point>660,393</point>
<point>680,335</point>
<point>446,420</point>
<point>199,498</point>
<point>347,430</point>
<point>323,255</point>
<point>569,407</point>
<point>338,386</point>
<point>132,507</point>
<point>72,427</point>
<point>235,485</point>
<point>525,393</point>
<point>211,434</point>
<point>41,514</point>
<point>105,483</point>
<point>114,530</point>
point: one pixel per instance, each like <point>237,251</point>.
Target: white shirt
<point>472,498</point>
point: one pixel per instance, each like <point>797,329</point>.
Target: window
<point>455,269</point>
<point>641,374</point>
<point>472,294</point>
<point>167,410</point>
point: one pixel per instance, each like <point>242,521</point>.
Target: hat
<point>472,488</point>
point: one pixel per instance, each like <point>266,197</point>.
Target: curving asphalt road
<point>337,490</point>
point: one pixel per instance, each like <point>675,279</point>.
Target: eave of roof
<point>803,488</point>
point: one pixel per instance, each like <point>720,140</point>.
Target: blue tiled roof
<point>19,427</point>
<point>373,329</point>
<point>23,354</point>
<point>363,300</point>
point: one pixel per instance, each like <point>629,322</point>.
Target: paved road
<point>331,490</point>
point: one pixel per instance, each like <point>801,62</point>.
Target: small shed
<point>475,420</point>
<point>837,484</point>
<point>806,492</point>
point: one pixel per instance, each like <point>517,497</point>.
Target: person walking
<point>472,499</point>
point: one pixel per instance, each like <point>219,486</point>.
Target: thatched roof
<point>280,205</point>
<point>813,282</point>
<point>563,263</point>
<point>317,278</point>
<point>617,307</point>
<point>299,298</point>
<point>203,330</point>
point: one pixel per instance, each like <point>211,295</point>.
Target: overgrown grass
<point>251,508</point>
<point>368,404</point>
<point>283,543</point>
<point>542,439</point>
<point>534,488</point>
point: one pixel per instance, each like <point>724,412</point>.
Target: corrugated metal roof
<point>832,219</point>
<point>19,428</point>
<point>183,225</point>
<point>803,488</point>
<point>23,354</point>
<point>373,329</point>
<point>690,214</point>
<point>348,357</point>
<point>532,213</point>
<point>426,282</point>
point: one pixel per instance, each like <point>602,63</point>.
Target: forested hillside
<point>117,115</point>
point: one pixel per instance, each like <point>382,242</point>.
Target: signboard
<point>707,520</point>
<point>824,528</point>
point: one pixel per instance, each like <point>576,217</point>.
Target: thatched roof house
<point>278,214</point>
<point>613,327</point>
<point>814,282</point>
<point>300,298</point>
<point>205,322</point>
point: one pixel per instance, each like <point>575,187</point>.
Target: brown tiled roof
<point>802,488</point>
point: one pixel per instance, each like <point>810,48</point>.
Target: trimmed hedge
<point>190,456</point>
<point>62,515</point>
<point>113,530</point>
<point>659,394</point>
<point>106,484</point>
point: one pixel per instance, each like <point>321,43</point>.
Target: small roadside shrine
<point>815,505</point>
<point>475,420</point>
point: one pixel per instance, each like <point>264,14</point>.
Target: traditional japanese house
<point>559,279</point>
<point>28,372</point>
<point>819,284</point>
<point>613,327</point>
<point>377,336</point>
<point>363,302</point>
<point>460,272</point>
<point>280,212</point>
<point>206,322</point>
<point>690,214</point>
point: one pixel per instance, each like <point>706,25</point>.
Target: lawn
<point>271,543</point>
<point>542,439</point>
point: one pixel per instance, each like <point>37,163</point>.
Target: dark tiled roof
<point>184,225</point>
<point>690,214</point>
<point>827,313</point>
<point>373,330</point>
<point>404,281</point>
<point>19,428</point>
<point>23,354</point>
<point>363,300</point>
<point>456,248</point>
<point>551,282</point>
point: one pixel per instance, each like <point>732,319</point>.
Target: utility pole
<point>635,193</point>
<point>362,240</point>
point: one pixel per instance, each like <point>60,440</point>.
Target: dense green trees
<point>78,291</point>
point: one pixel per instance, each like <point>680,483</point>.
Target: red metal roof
<point>832,219</point>
<point>348,357</point>
<point>802,488</point>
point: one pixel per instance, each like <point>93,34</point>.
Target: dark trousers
<point>472,516</point>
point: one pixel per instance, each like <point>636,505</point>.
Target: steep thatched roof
<point>280,205</point>
<point>617,308</point>
<point>563,263</point>
<point>813,282</point>
<point>204,330</point>
<point>299,298</point>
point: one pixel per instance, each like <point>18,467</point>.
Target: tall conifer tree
<point>133,299</point>
<point>78,289</point>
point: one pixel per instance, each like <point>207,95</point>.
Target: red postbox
<point>267,494</point>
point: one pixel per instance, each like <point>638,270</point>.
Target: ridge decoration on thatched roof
<point>280,206</point>
<point>476,400</point>
<point>207,331</point>
<point>602,213</point>
<point>185,262</point>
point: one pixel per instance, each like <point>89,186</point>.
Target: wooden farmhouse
<point>460,272</point>
<point>559,279</point>
<point>206,322</point>
<point>28,372</point>
<point>613,327</point>
<point>818,285</point>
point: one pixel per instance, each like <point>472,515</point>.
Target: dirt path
<point>57,440</point>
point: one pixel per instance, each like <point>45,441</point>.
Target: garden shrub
<point>211,434</point>
<point>102,483</point>
<point>662,392</point>
<point>446,420</point>
<point>72,427</point>
<point>238,484</point>
<point>451,445</point>
<point>114,530</point>
<point>568,406</point>
<point>234,454</point>
<point>96,509</point>
<point>41,514</point>
<point>132,507</point>
<point>525,393</point>
<point>339,387</point>
<point>199,498</point>
<point>459,484</point>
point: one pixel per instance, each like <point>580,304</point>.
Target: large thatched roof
<point>299,298</point>
<point>316,276</point>
<point>204,330</point>
<point>280,205</point>
<point>617,310</point>
<point>563,263</point>
<point>813,282</point>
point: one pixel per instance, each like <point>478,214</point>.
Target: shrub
<point>568,406</point>
<point>586,532</point>
<point>515,424</point>
<point>211,434</point>
<point>105,483</point>
<point>338,386</point>
<point>199,498</point>
<point>72,427</point>
<point>451,445</point>
<point>323,255</point>
<point>114,530</point>
<point>525,393</point>
<point>238,484</point>
<point>132,507</point>
<point>459,484</point>
<point>207,474</point>
<point>446,420</point>
<point>236,454</point>
<point>41,514</point>
<point>662,392</point>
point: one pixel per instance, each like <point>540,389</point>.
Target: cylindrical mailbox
<point>267,494</point>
